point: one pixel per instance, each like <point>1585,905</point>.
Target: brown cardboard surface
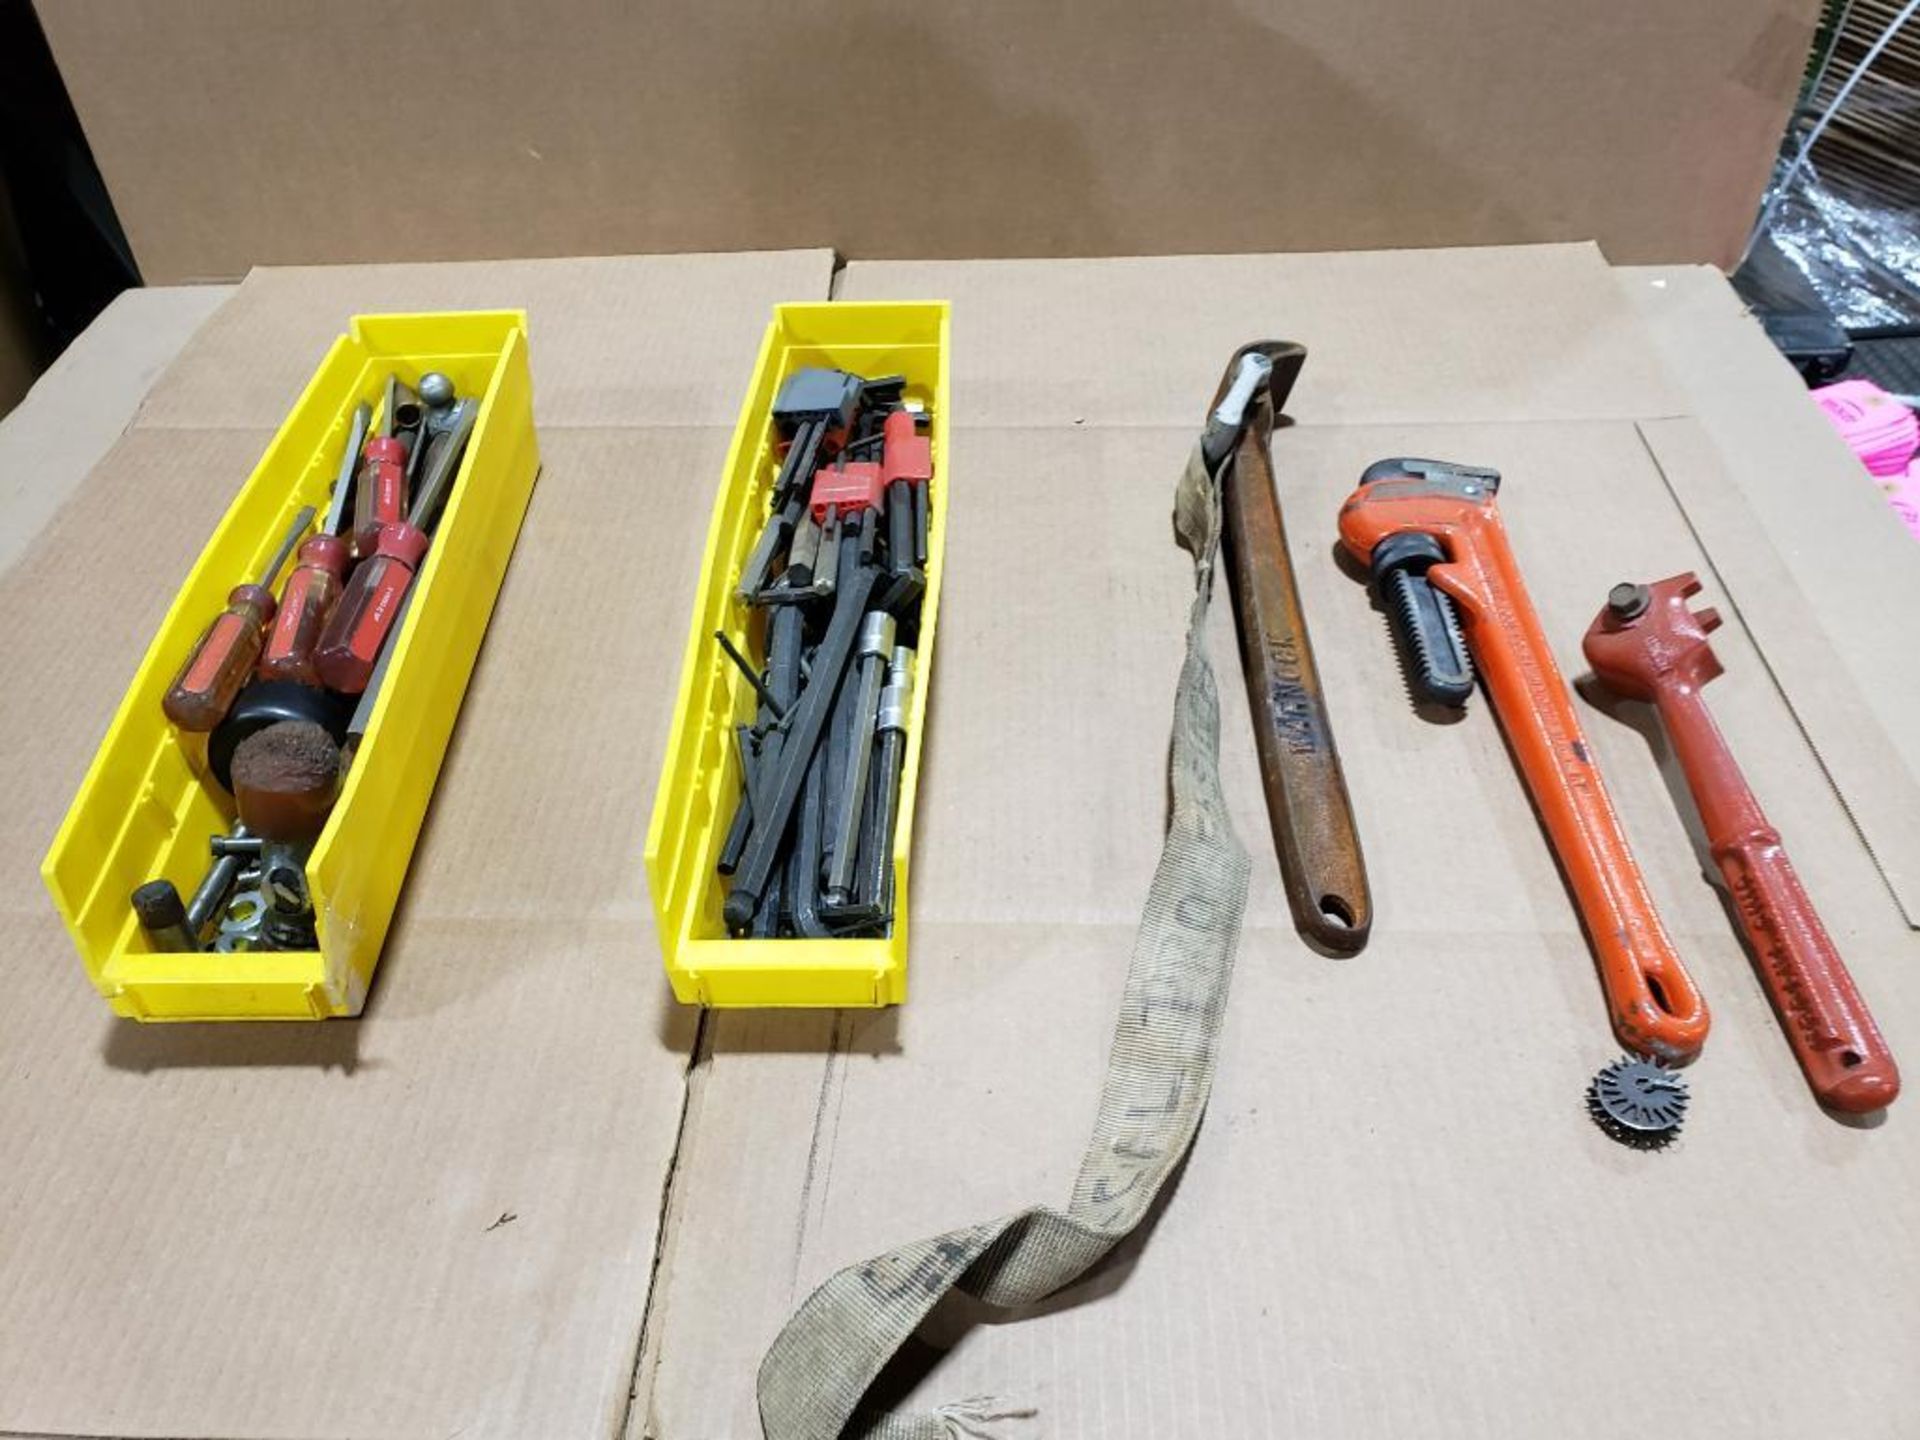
<point>235,133</point>
<point>1828,577</point>
<point>1520,332</point>
<point>60,431</point>
<point>1396,1219</point>
<point>439,1219</point>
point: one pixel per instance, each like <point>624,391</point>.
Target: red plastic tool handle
<point>219,664</point>
<point>905,453</point>
<point>305,605</point>
<point>381,498</point>
<point>350,644</point>
<point>849,488</point>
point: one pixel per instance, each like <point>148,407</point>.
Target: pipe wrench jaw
<point>1425,624</point>
<point>1433,497</point>
<point>1401,523</point>
<point>1477,483</point>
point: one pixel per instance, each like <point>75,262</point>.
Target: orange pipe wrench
<point>1432,535</point>
<point>1649,644</point>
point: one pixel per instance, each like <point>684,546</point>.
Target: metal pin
<point>232,853</point>
<point>753,676</point>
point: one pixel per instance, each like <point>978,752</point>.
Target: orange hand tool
<point>222,659</point>
<point>1431,531</point>
<point>320,567</point>
<point>1647,644</point>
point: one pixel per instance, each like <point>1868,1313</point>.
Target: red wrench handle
<point>1840,1049</point>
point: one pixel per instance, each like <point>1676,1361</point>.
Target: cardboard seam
<point>666,1226</point>
<point>1731,602</point>
<point>804,1205</point>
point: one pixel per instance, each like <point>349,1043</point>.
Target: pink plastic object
<point>1903,493</point>
<point>1876,426</point>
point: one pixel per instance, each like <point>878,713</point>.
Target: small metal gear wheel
<point>1638,1102</point>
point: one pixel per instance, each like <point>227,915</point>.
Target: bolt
<point>1628,601</point>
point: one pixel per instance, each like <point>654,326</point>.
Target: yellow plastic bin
<point>148,805</point>
<point>700,779</point>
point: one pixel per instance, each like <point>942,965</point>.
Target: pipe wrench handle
<point>1652,1001</point>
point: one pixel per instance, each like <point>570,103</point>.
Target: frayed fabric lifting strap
<point>1158,1076</point>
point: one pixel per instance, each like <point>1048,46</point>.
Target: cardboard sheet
<point>66,423</point>
<point>439,1219</point>
<point>1397,1219</point>
<point>1828,578</point>
<point>226,137</point>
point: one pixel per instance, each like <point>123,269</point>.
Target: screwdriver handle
<point>223,657</point>
<point>304,607</point>
<point>381,498</point>
<point>219,664</point>
<point>350,643</point>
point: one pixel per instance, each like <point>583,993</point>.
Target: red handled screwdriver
<point>350,645</point>
<point>319,570</point>
<point>219,664</point>
<point>381,498</point>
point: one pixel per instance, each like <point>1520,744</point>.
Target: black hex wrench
<point>806,720</point>
<point>863,707</point>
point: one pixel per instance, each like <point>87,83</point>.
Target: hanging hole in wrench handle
<point>1655,1007</point>
<point>1840,1050</point>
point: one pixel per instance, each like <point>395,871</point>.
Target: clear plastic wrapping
<point>1862,260</point>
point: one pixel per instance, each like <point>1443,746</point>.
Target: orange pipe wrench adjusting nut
<point>350,644</point>
<point>381,498</point>
<point>304,607</point>
<point>1454,592</point>
<point>1647,644</point>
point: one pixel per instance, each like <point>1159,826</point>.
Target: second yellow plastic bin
<point>700,780</point>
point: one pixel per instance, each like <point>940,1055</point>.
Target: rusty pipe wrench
<point>1433,535</point>
<point>1307,805</point>
<point>1648,644</point>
